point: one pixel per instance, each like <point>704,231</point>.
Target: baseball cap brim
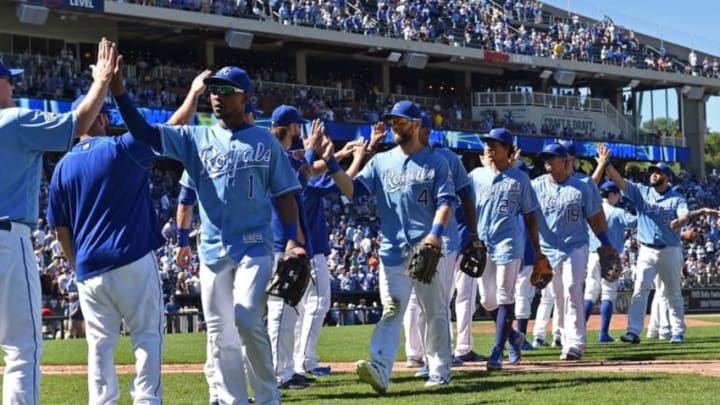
<point>388,116</point>
<point>662,169</point>
<point>221,81</point>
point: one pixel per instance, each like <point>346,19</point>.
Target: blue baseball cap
<point>286,115</point>
<point>662,167</point>
<point>501,135</point>
<point>5,72</point>
<point>404,109</point>
<point>569,147</point>
<point>106,107</point>
<point>610,186</point>
<point>426,121</point>
<point>554,149</point>
<point>232,76</point>
<point>251,108</point>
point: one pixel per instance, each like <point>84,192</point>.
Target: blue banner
<point>344,132</point>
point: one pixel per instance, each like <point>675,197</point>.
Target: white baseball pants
<point>395,288</point>
<point>524,293</point>
<point>497,284</point>
<point>543,314</point>
<point>659,324</point>
<point>414,320</point>
<point>567,285</point>
<point>20,325</point>
<point>234,302</point>
<point>312,310</point>
<point>132,292</point>
<point>666,262</point>
<point>465,297</point>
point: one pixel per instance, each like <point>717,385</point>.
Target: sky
<point>691,23</point>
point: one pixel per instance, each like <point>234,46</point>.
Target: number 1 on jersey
<point>251,186</point>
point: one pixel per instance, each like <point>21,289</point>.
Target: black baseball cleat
<point>294,384</point>
<point>472,357</point>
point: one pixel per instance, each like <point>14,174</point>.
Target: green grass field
<point>468,387</point>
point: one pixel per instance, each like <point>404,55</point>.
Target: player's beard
<point>402,137</point>
<point>657,182</point>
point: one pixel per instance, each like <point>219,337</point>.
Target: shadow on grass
<point>469,383</point>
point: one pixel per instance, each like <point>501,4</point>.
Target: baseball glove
<point>474,259</point>
<point>291,278</point>
<point>542,273</point>
<point>611,267</point>
<point>424,262</point>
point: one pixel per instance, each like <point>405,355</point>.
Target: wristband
<point>183,237</point>
<point>437,230</point>
<point>290,231</point>
<point>310,156</point>
<point>603,237</point>
<point>333,166</point>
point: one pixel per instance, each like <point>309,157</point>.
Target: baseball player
<point>503,193</point>
<point>26,135</point>
<point>282,319</point>
<point>661,213</point>
<point>568,206</point>
<point>316,302</point>
<point>237,169</point>
<point>524,291</point>
<point>184,216</point>
<point>109,237</point>
<point>415,199</point>
<point>414,321</point>
<point>617,221</point>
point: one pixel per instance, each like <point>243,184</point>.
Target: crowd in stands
<point>509,26</point>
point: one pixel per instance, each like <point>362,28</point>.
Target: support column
<point>301,66</point>
<point>694,125</point>
<point>467,83</point>
<point>386,79</point>
<point>210,52</point>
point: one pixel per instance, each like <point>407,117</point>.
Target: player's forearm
<point>531,227</point>
<point>443,214</point>
<point>88,110</point>
<point>615,176</point>
<point>598,173</point>
<point>183,216</point>
<point>599,227</point>
<point>288,213</point>
<point>138,127</point>
<point>65,238</point>
<point>356,165</point>
<point>470,214</point>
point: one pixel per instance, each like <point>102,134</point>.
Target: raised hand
<point>198,84</point>
<point>604,154</point>
<point>182,257</point>
<point>360,150</point>
<point>317,130</point>
<point>106,64</point>
<point>378,134</point>
<point>116,84</point>
<point>327,149</point>
<point>349,148</point>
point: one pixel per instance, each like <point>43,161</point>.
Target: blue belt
<point>5,226</point>
<point>653,246</point>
